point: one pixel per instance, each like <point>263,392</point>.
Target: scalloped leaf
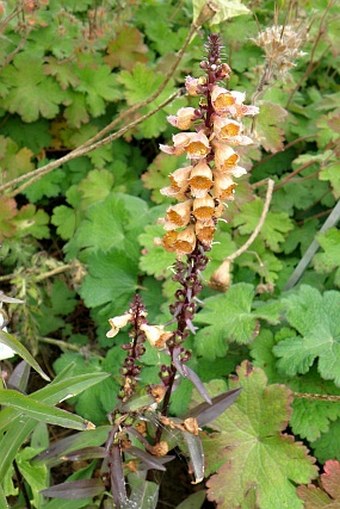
<point>251,453</point>
<point>316,317</point>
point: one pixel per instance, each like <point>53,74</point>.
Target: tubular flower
<point>203,186</point>
<point>183,119</point>
<point>117,323</point>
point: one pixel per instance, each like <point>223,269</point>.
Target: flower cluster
<point>207,182</point>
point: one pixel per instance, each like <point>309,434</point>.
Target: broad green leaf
<point>8,210</point>
<point>229,318</point>
<point>225,9</point>
<point>96,186</point>
<point>13,343</point>
<point>276,224</point>
<point>112,279</point>
<point>328,445</point>
<point>49,185</point>
<point>30,221</point>
<point>156,261</point>
<point>14,161</point>
<point>271,136</point>
<point>64,218</point>
<point>329,259</point>
<point>99,85</point>
<point>40,411</point>
<point>252,452</point>
<point>108,222</point>
<point>331,173</point>
<point>3,502</point>
<point>126,49</point>
<point>317,319</point>
<point>311,417</point>
<point>36,475</point>
<point>31,92</point>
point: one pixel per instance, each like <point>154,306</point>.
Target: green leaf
<point>270,135</point>
<point>13,343</point>
<point>112,278</point>
<point>30,221</point>
<point>8,210</point>
<point>21,427</point>
<point>156,261</point>
<point>328,445</point>
<point>111,223</point>
<point>36,475</point>
<point>64,218</point>
<point>99,86</point>
<point>311,417</point>
<point>14,161</point>
<point>57,391</point>
<point>126,48</point>
<point>275,226</point>
<point>40,411</point>
<point>329,260</point>
<point>254,452</point>
<point>49,185</point>
<point>31,92</point>
<point>317,319</point>
<point>225,9</point>
<point>229,318</point>
<point>331,173</point>
<point>96,186</point>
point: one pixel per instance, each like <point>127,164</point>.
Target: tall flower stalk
<point>201,190</point>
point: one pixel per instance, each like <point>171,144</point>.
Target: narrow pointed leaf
<point>75,490</point>
<point>151,462</point>
<point>194,501</point>
<point>206,413</point>
<point>54,393</point>
<point>144,494</point>
<point>68,445</point>
<point>85,454</point>
<point>13,343</point>
<point>41,411</point>
<point>117,478</point>
<point>187,372</point>
<point>19,378</point>
<point>196,453</point>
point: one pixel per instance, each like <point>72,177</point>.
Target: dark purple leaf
<point>91,438</point>
<point>205,413</point>
<point>151,462</point>
<point>75,490</point>
<point>19,378</point>
<point>85,453</point>
<point>118,487</point>
<point>196,454</point>
<point>191,375</point>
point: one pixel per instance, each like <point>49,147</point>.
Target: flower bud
<point>221,278</point>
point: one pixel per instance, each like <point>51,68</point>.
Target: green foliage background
<point>78,242</point>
